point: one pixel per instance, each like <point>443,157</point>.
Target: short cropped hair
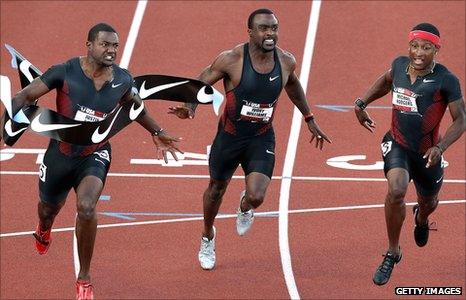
<point>256,12</point>
<point>94,31</point>
<point>427,27</point>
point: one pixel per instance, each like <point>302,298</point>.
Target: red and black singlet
<point>250,106</point>
<point>418,108</point>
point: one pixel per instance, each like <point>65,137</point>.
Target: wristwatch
<point>359,103</point>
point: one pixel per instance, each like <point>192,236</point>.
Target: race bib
<point>256,112</point>
<point>404,100</point>
<point>88,115</point>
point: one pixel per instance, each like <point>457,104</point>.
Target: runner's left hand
<point>166,143</point>
<point>433,155</point>
<point>317,134</point>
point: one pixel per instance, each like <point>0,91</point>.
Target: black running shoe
<point>421,232</point>
<point>383,272</point>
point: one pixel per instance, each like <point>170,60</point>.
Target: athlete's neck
<point>421,72</point>
<point>259,54</point>
<point>93,69</point>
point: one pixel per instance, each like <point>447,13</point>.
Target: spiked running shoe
<point>245,219</point>
<point>43,240</point>
<point>421,232</point>
<point>384,271</point>
<point>84,290</point>
<point>207,252</point>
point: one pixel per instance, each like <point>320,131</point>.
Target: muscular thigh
<point>224,156</point>
<point>428,181</point>
<point>260,155</point>
<point>56,174</point>
<point>97,164</point>
<point>394,156</point>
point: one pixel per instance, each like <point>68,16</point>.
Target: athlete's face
<point>104,48</point>
<point>421,53</point>
<point>264,32</point>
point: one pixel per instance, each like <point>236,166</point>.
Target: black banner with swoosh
<point>25,69</point>
<point>53,125</point>
<point>56,126</point>
<point>173,88</point>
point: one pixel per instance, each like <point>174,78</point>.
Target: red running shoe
<point>84,290</point>
<point>43,240</point>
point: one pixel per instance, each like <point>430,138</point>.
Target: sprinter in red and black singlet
<point>88,89</point>
<point>245,135</point>
<point>421,91</point>
<point>253,75</point>
<point>250,106</point>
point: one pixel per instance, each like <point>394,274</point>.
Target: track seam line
<point>291,153</point>
<point>200,176</point>
<point>231,216</point>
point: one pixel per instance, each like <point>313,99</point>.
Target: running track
<point>151,249</point>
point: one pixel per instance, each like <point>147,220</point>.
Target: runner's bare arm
<point>210,75</point>
<point>26,96</point>
<point>163,141</point>
<point>453,133</point>
<point>296,94</point>
<point>380,88</point>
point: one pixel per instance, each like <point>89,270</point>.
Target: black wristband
<point>359,103</point>
<point>157,132</point>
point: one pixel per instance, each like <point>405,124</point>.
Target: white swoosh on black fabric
<point>203,97</point>
<point>99,137</point>
<point>37,126</point>
<point>134,113</point>
<point>144,93</point>
<point>10,131</point>
<point>24,67</point>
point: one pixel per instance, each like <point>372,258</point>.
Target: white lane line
<point>229,216</point>
<point>198,176</point>
<point>291,153</point>
<point>133,33</point>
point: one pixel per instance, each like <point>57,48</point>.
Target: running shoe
<point>207,252</point>
<point>245,219</point>
<point>84,290</point>
<point>43,240</point>
<point>384,271</point>
<point>421,232</point>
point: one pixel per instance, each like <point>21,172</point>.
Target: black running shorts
<point>427,180</point>
<point>59,173</point>
<point>254,153</point>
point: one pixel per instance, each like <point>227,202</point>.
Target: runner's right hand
<point>182,112</point>
<point>364,119</point>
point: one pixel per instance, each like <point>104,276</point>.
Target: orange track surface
<point>334,253</point>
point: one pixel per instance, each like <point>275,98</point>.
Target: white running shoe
<point>207,252</point>
<point>244,220</point>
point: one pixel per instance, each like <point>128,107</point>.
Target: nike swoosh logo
<point>134,113</point>
<point>269,152</point>
<point>24,67</point>
<point>437,181</point>
<point>203,97</point>
<point>10,131</point>
<point>428,80</point>
<point>116,85</point>
<point>37,126</point>
<point>144,93</point>
<point>99,137</point>
<point>273,78</point>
